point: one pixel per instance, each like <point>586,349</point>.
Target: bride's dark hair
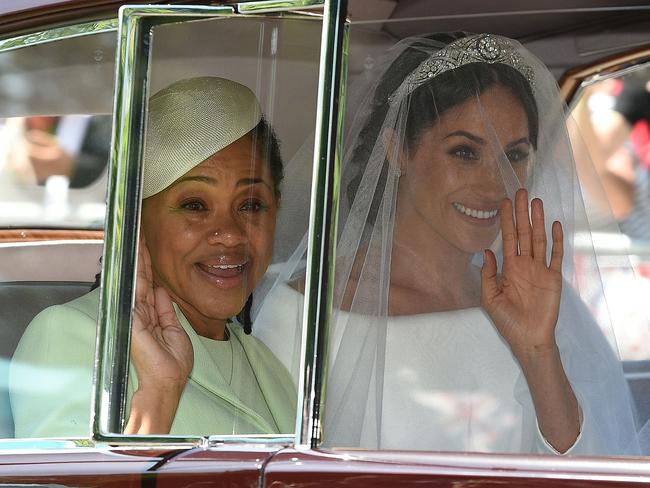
<point>430,100</point>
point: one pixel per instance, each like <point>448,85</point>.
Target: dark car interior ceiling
<point>563,33</point>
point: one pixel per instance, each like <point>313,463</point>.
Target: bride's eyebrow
<point>523,140</point>
<point>468,135</point>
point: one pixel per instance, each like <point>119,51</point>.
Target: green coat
<point>51,374</point>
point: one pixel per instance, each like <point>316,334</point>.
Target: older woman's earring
<point>244,317</point>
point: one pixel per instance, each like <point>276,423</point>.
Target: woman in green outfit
<point>210,200</point>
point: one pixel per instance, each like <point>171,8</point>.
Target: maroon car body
<point>109,464</point>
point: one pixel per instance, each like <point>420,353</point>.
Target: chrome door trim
<point>319,280</point>
<point>120,249</point>
<point>58,34</point>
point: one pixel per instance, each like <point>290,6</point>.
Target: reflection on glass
<point>54,144</point>
<point>41,158</point>
<point>610,120</point>
<point>55,101</point>
<point>218,220</point>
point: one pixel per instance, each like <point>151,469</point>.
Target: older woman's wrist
<point>157,388</point>
<point>153,410</point>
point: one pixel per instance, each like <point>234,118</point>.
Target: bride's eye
<point>464,152</point>
<point>518,155</point>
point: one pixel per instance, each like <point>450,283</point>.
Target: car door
<point>53,206</point>
<point>108,457</point>
<point>277,52</point>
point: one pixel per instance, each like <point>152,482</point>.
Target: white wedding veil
<point>414,362</point>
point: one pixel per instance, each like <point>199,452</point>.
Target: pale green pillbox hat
<point>189,121</point>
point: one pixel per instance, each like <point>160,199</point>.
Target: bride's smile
<point>476,215</point>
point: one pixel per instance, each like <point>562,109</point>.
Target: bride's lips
<point>224,272</point>
<point>479,215</point>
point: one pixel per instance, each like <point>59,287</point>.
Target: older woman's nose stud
<point>228,236</point>
<point>216,236</point>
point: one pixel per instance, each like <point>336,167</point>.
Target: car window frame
<point>119,260</point>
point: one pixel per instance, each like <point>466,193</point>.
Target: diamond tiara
<point>477,48</point>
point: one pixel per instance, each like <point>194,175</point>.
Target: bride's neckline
<point>291,288</point>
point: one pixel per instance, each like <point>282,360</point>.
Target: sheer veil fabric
<point>446,127</point>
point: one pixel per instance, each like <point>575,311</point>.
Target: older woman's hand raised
<point>161,352</point>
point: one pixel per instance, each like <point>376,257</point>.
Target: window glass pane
<point>55,123</point>
<point>612,130</point>
<point>55,133</point>
<point>436,344</point>
<point>227,173</point>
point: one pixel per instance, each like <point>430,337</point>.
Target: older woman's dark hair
<point>432,99</point>
<point>267,141</point>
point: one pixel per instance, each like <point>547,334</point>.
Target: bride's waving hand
<point>524,305</point>
<point>524,301</point>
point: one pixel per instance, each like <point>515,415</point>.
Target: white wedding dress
<point>450,383</point>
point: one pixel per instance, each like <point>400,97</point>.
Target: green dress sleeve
<point>50,378</point>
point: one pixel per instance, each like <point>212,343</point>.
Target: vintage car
<point>74,79</point>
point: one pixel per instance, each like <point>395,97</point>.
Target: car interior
<point>75,77</point>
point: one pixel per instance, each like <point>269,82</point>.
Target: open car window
<point>55,124</point>
<point>217,138</point>
<point>381,372</point>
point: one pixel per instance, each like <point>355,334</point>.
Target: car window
<point>418,353</point>
<point>55,133</point>
<point>55,129</point>
<point>609,117</point>
<point>226,151</point>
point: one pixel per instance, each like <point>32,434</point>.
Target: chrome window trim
<point>58,34</point>
<point>268,6</point>
<point>124,207</point>
<point>323,219</point>
<point>119,260</point>
<point>62,242</point>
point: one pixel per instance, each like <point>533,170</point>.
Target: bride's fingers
<point>523,222</point>
<point>489,285</point>
<point>508,234</point>
<point>557,251</point>
<point>539,230</point>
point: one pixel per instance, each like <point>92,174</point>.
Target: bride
<point>458,323</point>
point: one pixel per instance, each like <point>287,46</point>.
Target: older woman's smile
<point>225,273</point>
